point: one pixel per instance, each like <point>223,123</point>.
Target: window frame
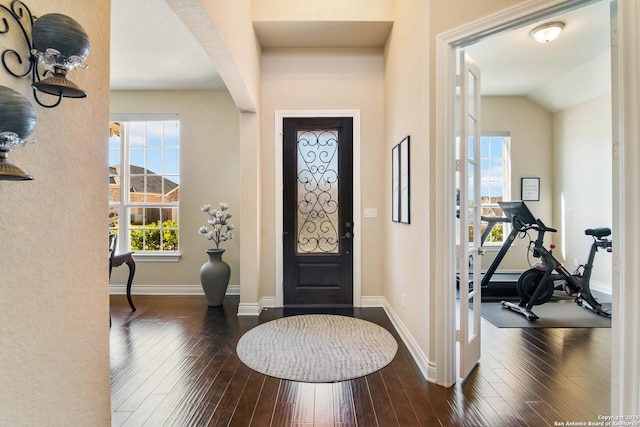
<point>124,206</point>
<point>506,179</point>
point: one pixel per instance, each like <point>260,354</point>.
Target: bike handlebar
<point>544,227</point>
<point>539,226</point>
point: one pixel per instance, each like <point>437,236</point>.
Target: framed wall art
<point>530,189</point>
<point>400,183</point>
<point>395,184</point>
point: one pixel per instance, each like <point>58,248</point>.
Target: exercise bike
<point>536,285</point>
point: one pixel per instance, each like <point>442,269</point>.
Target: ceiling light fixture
<point>547,32</point>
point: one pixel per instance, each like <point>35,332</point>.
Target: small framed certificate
<point>530,189</point>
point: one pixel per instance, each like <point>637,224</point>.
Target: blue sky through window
<point>492,166</point>
<point>153,145</point>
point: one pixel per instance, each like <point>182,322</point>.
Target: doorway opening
<point>447,46</point>
<point>355,226</point>
<point>317,211</point>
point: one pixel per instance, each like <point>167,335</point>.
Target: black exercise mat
<point>553,314</point>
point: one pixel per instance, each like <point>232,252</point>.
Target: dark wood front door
<point>318,211</point>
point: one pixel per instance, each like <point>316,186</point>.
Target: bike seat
<point>598,232</point>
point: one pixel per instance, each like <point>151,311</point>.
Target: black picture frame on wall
<point>530,189</point>
<point>401,182</point>
<point>395,184</point>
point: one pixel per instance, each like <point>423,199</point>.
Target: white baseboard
<point>372,301</point>
<point>270,302</point>
<point>605,288</point>
<point>267,302</point>
<point>428,369</point>
<point>167,290</point>
<point>366,301</point>
<point>250,309</point>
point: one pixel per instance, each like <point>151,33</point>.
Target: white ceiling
<point>151,49</point>
<point>571,69</point>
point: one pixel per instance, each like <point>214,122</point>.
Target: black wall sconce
<point>57,44</point>
<point>17,121</point>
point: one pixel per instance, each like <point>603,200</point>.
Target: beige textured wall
<point>237,57</point>
<point>328,80</point>
<point>209,173</point>
<point>440,16</point>
<point>406,107</point>
<point>410,78</point>
<point>583,182</point>
<point>234,24</point>
<point>531,156</point>
<point>326,10</point>
<point>445,15</point>
<point>54,310</point>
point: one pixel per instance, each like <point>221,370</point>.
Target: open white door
<point>469,243</point>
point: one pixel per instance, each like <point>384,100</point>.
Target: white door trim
<point>357,191</point>
<point>625,327</point>
<point>469,323</point>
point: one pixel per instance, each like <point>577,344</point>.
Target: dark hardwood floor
<point>173,363</point>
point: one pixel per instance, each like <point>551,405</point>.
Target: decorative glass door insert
<point>317,221</point>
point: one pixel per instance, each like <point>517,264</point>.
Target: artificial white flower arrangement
<point>221,229</point>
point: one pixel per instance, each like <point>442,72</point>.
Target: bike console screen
<point>518,212</point>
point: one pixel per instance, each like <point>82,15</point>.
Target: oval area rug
<point>317,348</point>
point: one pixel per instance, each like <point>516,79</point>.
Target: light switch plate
<point>371,212</point>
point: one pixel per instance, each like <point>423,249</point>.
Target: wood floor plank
<point>285,404</point>
<point>381,400</point>
<point>173,363</point>
<point>119,418</point>
<point>362,402</point>
<point>123,391</point>
<point>402,405</point>
<point>343,406</point>
<point>323,409</point>
<point>144,411</point>
<point>230,397</point>
<point>266,404</point>
<point>417,389</point>
<point>213,387</point>
<point>159,368</point>
<point>304,408</point>
<point>247,404</point>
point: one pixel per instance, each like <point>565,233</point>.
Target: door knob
<point>347,235</point>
